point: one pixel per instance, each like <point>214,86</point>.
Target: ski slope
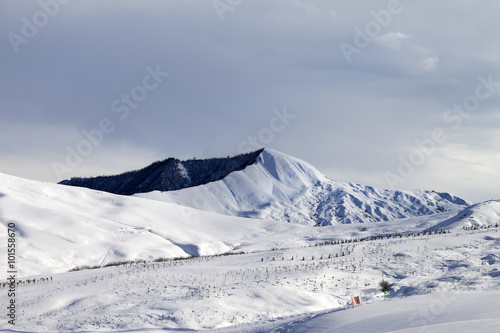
<point>450,312</point>
<point>443,282</point>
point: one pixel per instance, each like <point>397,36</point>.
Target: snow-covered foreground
<point>456,274</point>
<point>441,312</point>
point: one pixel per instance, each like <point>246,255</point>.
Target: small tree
<point>385,286</point>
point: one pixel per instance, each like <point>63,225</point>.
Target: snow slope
<point>282,188</point>
<point>483,214</point>
<point>444,312</point>
<point>60,227</point>
<point>440,284</point>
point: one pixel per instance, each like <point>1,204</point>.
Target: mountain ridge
<point>267,184</point>
<point>167,175</point>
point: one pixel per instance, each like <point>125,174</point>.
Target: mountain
<point>283,188</point>
<point>483,214</point>
<point>267,184</point>
<point>170,174</point>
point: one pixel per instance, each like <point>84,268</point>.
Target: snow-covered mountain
<point>483,214</point>
<point>283,188</point>
<point>282,275</point>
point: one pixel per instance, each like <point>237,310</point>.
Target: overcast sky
<point>393,94</point>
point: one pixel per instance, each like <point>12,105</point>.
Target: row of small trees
<point>27,281</point>
<point>474,227</point>
<point>379,237</point>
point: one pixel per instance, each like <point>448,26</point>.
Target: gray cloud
<point>226,77</point>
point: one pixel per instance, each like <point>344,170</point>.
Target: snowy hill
<point>61,227</point>
<point>282,188</point>
<point>483,214</point>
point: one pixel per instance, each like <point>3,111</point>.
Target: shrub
<point>384,285</point>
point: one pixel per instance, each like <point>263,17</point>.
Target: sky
<point>392,94</point>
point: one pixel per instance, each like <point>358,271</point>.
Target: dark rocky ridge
<point>167,175</point>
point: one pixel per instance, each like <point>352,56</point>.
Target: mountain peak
<point>286,168</point>
<point>268,184</point>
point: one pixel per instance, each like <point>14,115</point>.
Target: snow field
<point>254,289</point>
<point>439,312</point>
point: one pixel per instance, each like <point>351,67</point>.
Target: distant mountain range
<point>267,184</point>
